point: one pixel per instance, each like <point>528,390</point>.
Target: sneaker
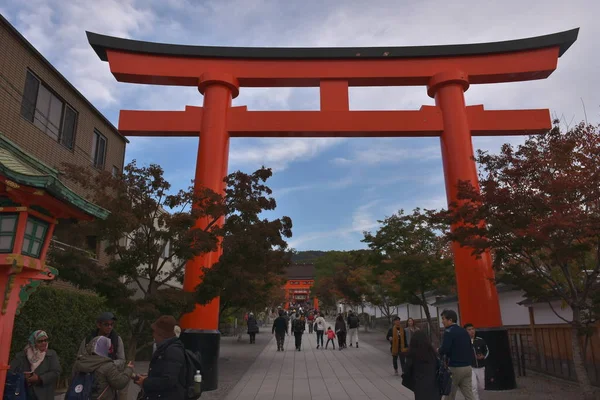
<point>396,372</point>
<point>317,346</point>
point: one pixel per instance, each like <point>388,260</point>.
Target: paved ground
<point>533,386</point>
<point>319,375</point>
<point>259,372</point>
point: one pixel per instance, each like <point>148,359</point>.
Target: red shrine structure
<point>32,201</point>
<point>446,71</point>
<point>300,279</point>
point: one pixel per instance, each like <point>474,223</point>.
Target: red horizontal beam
<point>426,122</point>
<point>184,71</point>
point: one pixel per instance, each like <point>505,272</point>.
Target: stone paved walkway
<point>314,374</point>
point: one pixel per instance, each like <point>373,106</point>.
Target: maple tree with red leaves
<point>541,205</point>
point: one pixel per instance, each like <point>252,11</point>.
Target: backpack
<point>192,364</point>
<point>298,325</point>
<point>81,386</point>
<point>15,388</point>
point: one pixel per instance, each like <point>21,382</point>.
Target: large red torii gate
<point>447,71</point>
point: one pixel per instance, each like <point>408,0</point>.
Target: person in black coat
<point>280,327</point>
<point>252,327</point>
<point>166,377</point>
<point>420,371</point>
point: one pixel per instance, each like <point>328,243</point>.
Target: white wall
<point>513,313</point>
<point>448,306</point>
<point>543,314</point>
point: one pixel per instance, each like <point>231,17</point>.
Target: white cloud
<point>279,153</point>
<point>328,185</point>
<point>362,219</point>
<point>387,151</point>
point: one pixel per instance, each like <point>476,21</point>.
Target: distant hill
<point>308,256</point>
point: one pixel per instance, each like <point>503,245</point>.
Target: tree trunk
<point>131,348</point>
<point>579,360</point>
<point>432,330</point>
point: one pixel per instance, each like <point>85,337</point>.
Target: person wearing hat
<point>105,324</point>
<point>108,378</point>
<point>166,375</point>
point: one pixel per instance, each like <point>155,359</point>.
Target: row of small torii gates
<point>219,73</point>
<point>447,72</point>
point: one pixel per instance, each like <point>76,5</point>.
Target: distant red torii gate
<point>447,71</point>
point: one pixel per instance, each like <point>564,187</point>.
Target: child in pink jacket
<point>330,337</point>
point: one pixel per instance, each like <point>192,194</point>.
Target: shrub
<point>67,316</point>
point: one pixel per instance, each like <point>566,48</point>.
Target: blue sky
<point>333,189</point>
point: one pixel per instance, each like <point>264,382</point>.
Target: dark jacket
<point>340,326</point>
<point>108,378</point>
<point>353,321</point>
<point>252,325</point>
<point>457,346</point>
<point>117,351</point>
<point>401,343</point>
<point>422,375</point>
<point>48,371</point>
<point>280,325</point>
<point>166,376</point>
<point>298,326</point>
<point>479,347</point>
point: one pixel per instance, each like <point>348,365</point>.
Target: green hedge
<point>67,316</point>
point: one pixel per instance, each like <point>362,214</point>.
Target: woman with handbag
<point>420,373</point>
<point>40,367</point>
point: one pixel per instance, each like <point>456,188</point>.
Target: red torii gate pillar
<point>447,71</point>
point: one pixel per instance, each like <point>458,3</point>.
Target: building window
<point>35,232</point>
<point>8,228</point>
<point>48,112</point>
<point>99,150</point>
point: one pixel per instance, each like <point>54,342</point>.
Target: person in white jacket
<point>320,329</point>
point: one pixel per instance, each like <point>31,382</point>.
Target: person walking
<point>40,365</point>
<point>320,329</point>
<point>480,354</point>
<point>252,327</point>
<point>298,326</point>
<point>311,322</point>
<point>420,371</point>
<point>410,329</point>
<point>398,346</point>
<point>340,331</point>
<point>353,324</point>
<point>280,330</point>
<point>330,337</point>
<point>456,346</point>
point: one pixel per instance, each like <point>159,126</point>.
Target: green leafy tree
<point>411,248</point>
<point>149,237</point>
<point>252,267</point>
<point>541,204</point>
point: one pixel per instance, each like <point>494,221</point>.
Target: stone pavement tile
<point>320,374</point>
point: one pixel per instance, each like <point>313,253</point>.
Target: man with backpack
<point>169,371</point>
<point>353,323</point>
<point>105,326</point>
<point>95,374</point>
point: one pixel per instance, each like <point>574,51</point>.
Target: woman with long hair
<point>411,328</point>
<point>421,368</point>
